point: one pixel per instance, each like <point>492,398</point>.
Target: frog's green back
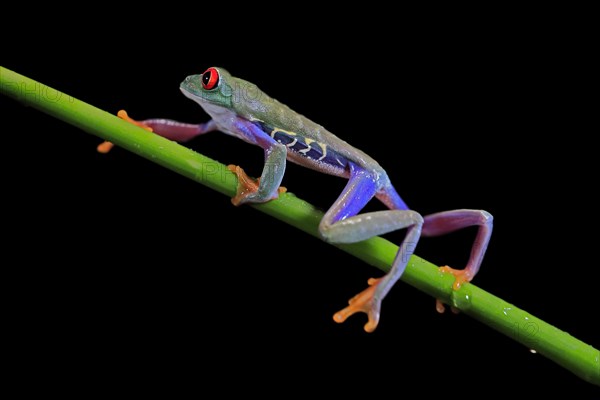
<point>253,104</point>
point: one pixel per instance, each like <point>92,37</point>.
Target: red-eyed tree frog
<point>239,108</point>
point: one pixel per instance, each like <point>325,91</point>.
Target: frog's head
<point>219,93</point>
<point>214,87</point>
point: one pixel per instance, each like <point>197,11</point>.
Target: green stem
<point>567,351</point>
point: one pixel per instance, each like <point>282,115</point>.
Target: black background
<point>128,263</point>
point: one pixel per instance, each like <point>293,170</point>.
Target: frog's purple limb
<point>343,224</point>
<point>173,130</point>
<point>178,131</point>
<point>450,221</point>
<point>391,198</point>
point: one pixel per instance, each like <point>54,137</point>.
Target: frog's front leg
<point>341,224</point>
<point>167,128</point>
<point>267,188</point>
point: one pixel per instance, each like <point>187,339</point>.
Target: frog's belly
<point>327,167</point>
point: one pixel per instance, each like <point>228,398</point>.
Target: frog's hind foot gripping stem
<point>450,221</point>
<point>366,302</point>
<point>461,276</point>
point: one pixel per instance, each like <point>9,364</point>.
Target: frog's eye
<point>210,78</point>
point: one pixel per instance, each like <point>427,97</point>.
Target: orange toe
<point>104,147</point>
<point>441,308</point>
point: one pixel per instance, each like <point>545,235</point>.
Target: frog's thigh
<point>342,224</point>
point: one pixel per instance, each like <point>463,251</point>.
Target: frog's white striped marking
<point>324,148</point>
<point>274,131</point>
<point>307,142</point>
<point>282,130</point>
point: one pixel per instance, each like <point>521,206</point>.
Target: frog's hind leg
<point>343,224</point>
<point>450,221</point>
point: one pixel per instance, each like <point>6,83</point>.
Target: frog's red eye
<point>210,78</point>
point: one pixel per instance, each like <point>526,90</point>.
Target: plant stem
<point>567,351</point>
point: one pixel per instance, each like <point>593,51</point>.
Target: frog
<point>239,108</point>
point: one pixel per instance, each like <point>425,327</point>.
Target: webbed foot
<point>460,276</point>
<point>247,186</point>
<point>365,302</point>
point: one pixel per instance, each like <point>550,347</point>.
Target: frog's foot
<point>106,146</point>
<point>247,186</point>
<point>460,276</point>
<point>365,302</point>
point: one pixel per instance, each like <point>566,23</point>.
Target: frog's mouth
<point>189,90</point>
<point>216,111</point>
<point>191,87</point>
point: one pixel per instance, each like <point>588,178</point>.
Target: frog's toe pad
<point>363,302</point>
<point>441,308</point>
<point>104,147</point>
